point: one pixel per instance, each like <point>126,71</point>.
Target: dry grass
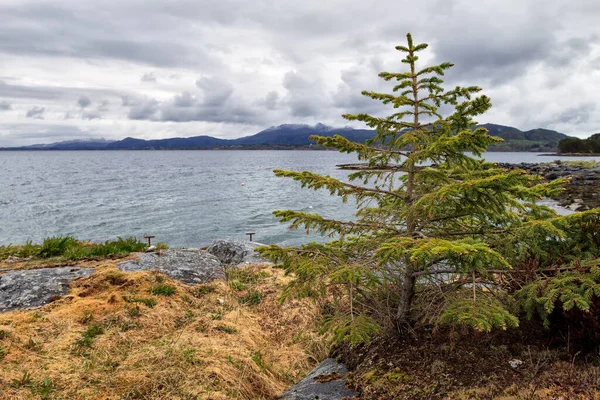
<point>108,340</point>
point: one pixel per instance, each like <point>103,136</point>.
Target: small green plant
<point>134,311</point>
<point>251,298</point>
<point>148,302</point>
<point>43,389</point>
<point>4,334</point>
<point>227,329</point>
<point>24,381</point>
<point>259,360</point>
<point>203,290</point>
<point>189,355</point>
<point>217,316</point>
<point>163,290</point>
<point>3,352</point>
<point>87,338</point>
<point>237,285</point>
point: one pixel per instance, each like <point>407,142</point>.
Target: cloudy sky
<point>159,68</point>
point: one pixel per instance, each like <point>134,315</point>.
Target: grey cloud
<point>576,115</point>
<point>305,97</point>
<point>215,91</point>
<point>185,99</point>
<point>271,101</point>
<point>89,115</point>
<point>5,106</point>
<point>36,112</point>
<point>84,101</point>
<point>74,30</point>
<point>211,102</point>
<point>148,77</point>
<point>43,92</point>
<point>103,106</point>
<point>144,110</point>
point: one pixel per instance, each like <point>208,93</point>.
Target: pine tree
<point>436,226</point>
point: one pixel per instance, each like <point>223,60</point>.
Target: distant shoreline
<point>258,148</point>
<point>570,155</point>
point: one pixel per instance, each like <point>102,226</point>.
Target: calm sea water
<point>185,198</point>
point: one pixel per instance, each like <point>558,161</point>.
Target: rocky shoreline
<point>581,193</point>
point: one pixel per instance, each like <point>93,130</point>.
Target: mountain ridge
<point>295,136</point>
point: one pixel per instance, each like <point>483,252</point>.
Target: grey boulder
<point>24,289</point>
<point>236,252</point>
<point>185,265</point>
<point>325,382</point>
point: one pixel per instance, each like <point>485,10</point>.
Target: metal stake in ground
<point>250,234</point>
<point>149,237</point>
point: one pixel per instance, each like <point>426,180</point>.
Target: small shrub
<point>163,290</point>
<point>57,246</point>
<point>251,298</point>
<point>28,250</point>
<point>227,329</point>
<point>162,246</point>
<point>245,275</point>
<point>116,278</point>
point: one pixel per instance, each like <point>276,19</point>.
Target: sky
<point>72,69</point>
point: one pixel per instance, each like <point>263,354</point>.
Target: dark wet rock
<point>185,265</point>
<point>24,289</point>
<point>325,382</point>
<point>236,252</point>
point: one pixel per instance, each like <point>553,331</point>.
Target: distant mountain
<point>517,140</point>
<point>296,136</point>
<point>80,144</point>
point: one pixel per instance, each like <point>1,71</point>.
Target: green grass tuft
<point>163,290</point>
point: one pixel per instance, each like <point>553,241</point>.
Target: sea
<point>184,198</point>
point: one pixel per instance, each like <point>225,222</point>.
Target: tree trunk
<point>407,294</point>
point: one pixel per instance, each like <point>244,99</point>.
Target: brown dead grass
<point>199,343</point>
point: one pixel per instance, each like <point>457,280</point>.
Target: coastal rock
<point>188,266</point>
<point>24,289</point>
<point>326,381</point>
<point>236,252</point>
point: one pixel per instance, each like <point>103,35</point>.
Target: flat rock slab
<point>236,252</point>
<point>325,382</point>
<point>24,289</point>
<point>185,265</point>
